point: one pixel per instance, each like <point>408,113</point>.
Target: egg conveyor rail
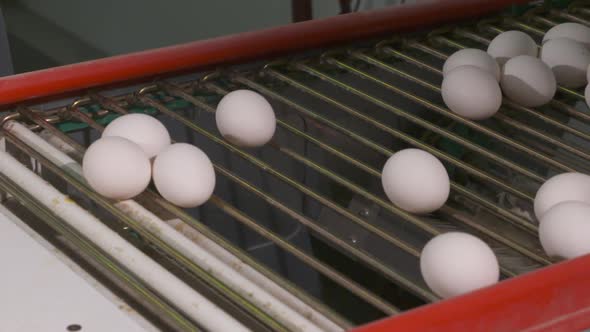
<point>340,115</point>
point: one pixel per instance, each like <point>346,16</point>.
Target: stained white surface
<point>39,292</point>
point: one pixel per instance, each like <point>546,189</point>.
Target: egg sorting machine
<point>299,235</point>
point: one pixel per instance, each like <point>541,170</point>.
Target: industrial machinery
<point>298,235</point>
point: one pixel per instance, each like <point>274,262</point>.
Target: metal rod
<point>43,123</point>
<point>543,20</point>
<point>570,111</point>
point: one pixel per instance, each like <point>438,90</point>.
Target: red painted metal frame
<point>239,48</point>
<point>555,298</point>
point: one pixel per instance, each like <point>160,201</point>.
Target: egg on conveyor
<point>472,57</point>
<point>510,44</point>
<point>471,92</point>
<point>587,95</point>
<point>116,168</point>
<point>245,118</point>
<point>184,175</point>
<point>574,31</point>
<point>564,230</point>
<point>455,263</point>
<point>561,188</point>
<point>568,59</point>
<point>144,130</point>
<point>415,181</point>
<point>528,81</point>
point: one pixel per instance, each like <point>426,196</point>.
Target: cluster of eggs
<point>474,83</point>
<point>513,65</point>
<point>137,148</point>
<point>451,263</point>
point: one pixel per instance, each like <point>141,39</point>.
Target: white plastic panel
<point>40,292</point>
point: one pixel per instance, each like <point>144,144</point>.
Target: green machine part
<point>69,126</point>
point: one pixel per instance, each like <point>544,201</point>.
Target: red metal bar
<point>556,298</point>
<point>239,48</point>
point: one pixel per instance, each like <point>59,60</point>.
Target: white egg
<point>144,130</point>
<point>569,61</point>
<point>587,95</point>
<point>455,263</point>
<point>415,181</point>
<point>472,57</point>
<point>184,175</point>
<point>565,230</point>
<point>471,92</point>
<point>116,168</point>
<point>528,81</point>
<point>510,44</point>
<point>561,188</point>
<point>245,118</point>
<point>570,30</point>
